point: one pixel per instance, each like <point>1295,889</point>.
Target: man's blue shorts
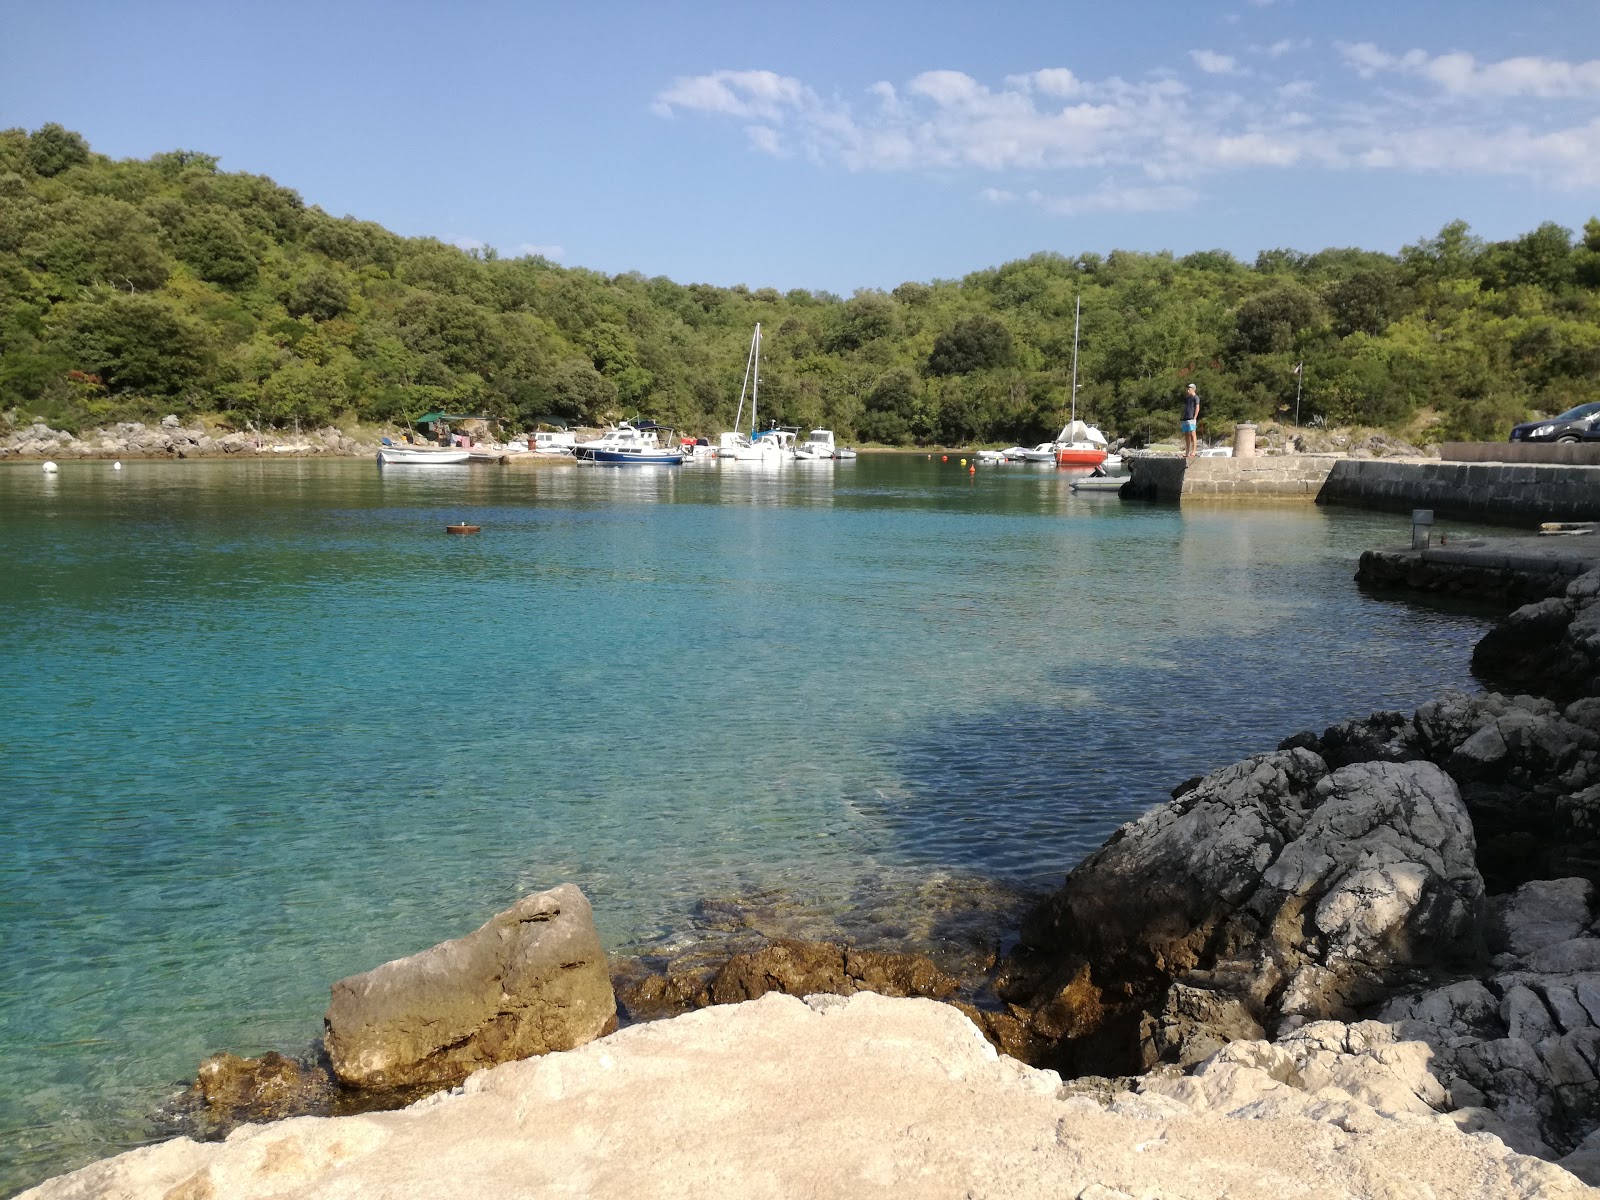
<point>1187,426</point>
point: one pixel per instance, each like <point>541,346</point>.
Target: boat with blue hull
<point>630,445</point>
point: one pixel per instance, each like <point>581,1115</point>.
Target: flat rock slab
<point>864,1097</point>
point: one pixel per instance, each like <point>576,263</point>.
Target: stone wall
<point>1565,453</point>
<point>1511,570</point>
<point>1287,476</point>
<point>1520,494</point>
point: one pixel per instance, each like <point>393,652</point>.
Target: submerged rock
<point>229,1091</point>
<point>531,980</point>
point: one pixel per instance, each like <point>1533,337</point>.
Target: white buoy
<point>116,466</point>
<point>50,468</point>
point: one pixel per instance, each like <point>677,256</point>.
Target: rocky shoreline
<point>1369,949</point>
<point>172,438</point>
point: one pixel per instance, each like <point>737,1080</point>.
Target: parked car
<point>1573,425</point>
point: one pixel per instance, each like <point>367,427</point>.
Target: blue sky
<point>845,145</point>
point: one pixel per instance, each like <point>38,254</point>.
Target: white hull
<point>411,456</point>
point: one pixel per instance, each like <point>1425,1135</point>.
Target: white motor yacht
<point>820,444</point>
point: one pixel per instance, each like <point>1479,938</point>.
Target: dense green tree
<point>213,243</point>
<point>136,344</point>
<point>973,343</point>
<point>1273,321</point>
<point>52,149</point>
<point>320,295</point>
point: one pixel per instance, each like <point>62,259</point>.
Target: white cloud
<point>1115,199</point>
<point>1281,47</point>
<point>468,244</point>
<point>1213,63</point>
<point>1462,74</point>
<point>760,95</point>
<point>1159,138</point>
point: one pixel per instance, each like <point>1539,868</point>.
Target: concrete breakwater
<point>1511,569</point>
<point>1516,493</point>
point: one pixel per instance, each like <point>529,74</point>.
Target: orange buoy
<point>973,470</point>
<point>944,458</point>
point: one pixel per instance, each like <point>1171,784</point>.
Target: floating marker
<point>50,468</point>
<point>116,466</point>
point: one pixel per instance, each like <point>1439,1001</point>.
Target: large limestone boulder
<point>1299,892</point>
<point>533,979</point>
<point>865,1096</point>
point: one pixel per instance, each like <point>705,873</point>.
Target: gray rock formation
<point>531,980</point>
<point>1525,1040</point>
<point>867,1096</point>
<point>1293,893</point>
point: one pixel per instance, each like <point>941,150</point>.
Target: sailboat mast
<point>749,373</point>
<point>1077,315</point>
<point>755,386</point>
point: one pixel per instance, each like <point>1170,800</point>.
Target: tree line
<point>134,288</point>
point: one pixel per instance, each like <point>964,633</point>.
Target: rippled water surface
<point>267,725</point>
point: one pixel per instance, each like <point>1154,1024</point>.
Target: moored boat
<point>629,445</point>
<point>820,444</point>
<point>421,456</point>
<point>1079,445</point>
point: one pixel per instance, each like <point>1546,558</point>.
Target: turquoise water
<point>267,725</point>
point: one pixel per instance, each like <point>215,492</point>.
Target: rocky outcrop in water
<point>1275,891</point>
<point>1436,871</point>
<point>1551,647</point>
<point>868,1096</point>
<point>531,980</point>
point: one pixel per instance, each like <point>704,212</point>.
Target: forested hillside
<point>136,288</point>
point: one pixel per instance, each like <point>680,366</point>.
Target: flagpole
<point>1299,382</point>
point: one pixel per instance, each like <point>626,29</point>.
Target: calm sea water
<point>267,725</point>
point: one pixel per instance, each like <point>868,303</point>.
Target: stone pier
<point>1287,476</point>
<point>1500,492</point>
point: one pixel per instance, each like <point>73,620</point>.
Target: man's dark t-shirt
<point>1191,406</point>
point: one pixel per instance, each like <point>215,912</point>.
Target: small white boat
<point>820,444</point>
<point>1099,483</point>
<point>553,442</point>
<point>421,456</point>
<point>698,450</point>
<point>991,456</point>
<point>770,445</point>
<point>1043,452</point>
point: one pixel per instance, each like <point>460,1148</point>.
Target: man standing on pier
<point>1191,420</point>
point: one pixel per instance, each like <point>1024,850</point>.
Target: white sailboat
<point>769,446</point>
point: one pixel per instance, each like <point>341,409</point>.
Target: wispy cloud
<point>1159,137</point>
<point>1103,199</point>
<point>1463,75</point>
<point>1213,63</point>
<point>553,253</point>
